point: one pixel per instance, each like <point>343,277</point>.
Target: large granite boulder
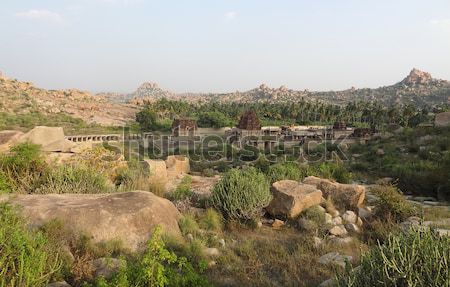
<point>157,170</point>
<point>290,198</point>
<point>50,138</point>
<point>9,139</point>
<point>442,120</point>
<point>177,165</point>
<point>129,216</point>
<point>351,196</point>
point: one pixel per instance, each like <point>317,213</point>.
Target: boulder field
<point>129,216</point>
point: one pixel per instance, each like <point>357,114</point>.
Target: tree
<point>147,119</point>
<point>213,120</point>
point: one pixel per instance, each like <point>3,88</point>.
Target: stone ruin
<point>184,127</point>
<point>249,121</point>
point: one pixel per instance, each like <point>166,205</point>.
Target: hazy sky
<point>222,45</point>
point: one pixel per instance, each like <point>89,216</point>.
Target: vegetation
<point>26,258</point>
<point>183,189</point>
<point>413,259</point>
<point>287,170</point>
<point>241,194</point>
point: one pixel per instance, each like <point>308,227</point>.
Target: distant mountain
<point>418,88</point>
<point>18,97</point>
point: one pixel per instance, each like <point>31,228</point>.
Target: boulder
<point>338,230</point>
<point>352,227</point>
<point>81,147</point>
<point>349,195</point>
<point>9,139</point>
<point>177,165</point>
<point>350,217</point>
<point>129,216</point>
<point>59,146</point>
<point>157,170</point>
<point>277,223</point>
<point>336,220</point>
<point>43,135</point>
<point>212,252</point>
<point>334,258</point>
<point>59,284</point>
<point>290,198</point>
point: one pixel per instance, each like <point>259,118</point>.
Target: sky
<point>222,45</point>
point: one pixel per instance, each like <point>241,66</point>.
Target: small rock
<point>321,209</point>
<point>334,258</point>
<point>212,252</point>
<point>334,213</point>
<point>380,151</point>
<point>337,220</point>
<point>338,230</point>
<point>222,242</point>
<point>277,223</point>
<point>259,224</point>
<point>341,240</point>
<point>328,218</point>
<point>364,212</point>
<point>351,227</point>
<point>59,284</point>
<point>190,237</point>
<point>442,232</point>
<point>212,263</point>
<point>349,217</point>
<point>328,283</point>
<point>359,222</point>
<point>431,203</point>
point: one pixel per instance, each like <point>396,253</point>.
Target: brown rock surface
<point>351,196</point>
<point>129,216</point>
<point>290,198</point>
<point>157,169</point>
<point>8,139</point>
<point>177,165</point>
<point>442,119</point>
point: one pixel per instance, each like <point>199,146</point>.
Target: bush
<point>22,168</point>
<point>332,170</point>
<point>183,190</point>
<point>412,259</point>
<point>25,256</point>
<point>188,225</point>
<point>72,179</point>
<point>241,194</point>
<point>157,267</point>
<point>391,205</point>
<point>211,220</point>
<point>286,170</point>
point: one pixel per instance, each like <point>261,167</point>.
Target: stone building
<point>184,127</point>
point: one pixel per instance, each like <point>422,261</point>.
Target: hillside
<point>418,88</point>
<point>22,98</point>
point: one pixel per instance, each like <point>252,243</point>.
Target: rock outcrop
<point>157,170</point>
<point>351,196</point>
<point>442,120</point>
<point>290,198</point>
<point>50,138</point>
<point>9,139</point>
<point>129,216</point>
<point>177,165</point>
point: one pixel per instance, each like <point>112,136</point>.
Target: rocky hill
<point>22,97</point>
<point>418,88</point>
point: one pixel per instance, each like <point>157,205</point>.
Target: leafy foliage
<point>392,205</point>
<point>413,259</point>
<point>287,170</point>
<point>241,194</point>
<point>25,256</point>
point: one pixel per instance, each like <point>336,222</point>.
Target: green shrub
<point>211,220</point>
<point>391,205</point>
<point>188,224</point>
<point>286,170</point>
<point>5,184</point>
<point>183,190</point>
<point>158,267</point>
<point>332,170</point>
<point>413,259</point>
<point>23,167</point>
<point>72,179</point>
<point>25,256</point>
<point>315,214</point>
<point>241,194</point>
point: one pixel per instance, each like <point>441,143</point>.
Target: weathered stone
<point>364,212</point>
<point>340,241</point>
<point>157,170</point>
<point>129,216</point>
<point>290,198</point>
<point>43,136</point>
<point>352,227</point>
<point>442,119</point>
<point>349,195</point>
<point>338,230</point>
<point>328,218</point>
<point>350,217</point>
<point>9,139</point>
<point>337,220</point>
<point>328,283</point>
<point>359,222</point>
<point>277,223</point>
<point>177,165</point>
<point>442,231</point>
<point>59,146</point>
<point>317,242</point>
<point>107,267</point>
<point>213,252</point>
<point>222,242</point>
<point>81,147</point>
<point>59,284</point>
<point>334,258</point>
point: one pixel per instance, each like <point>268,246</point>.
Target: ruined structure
<point>249,121</point>
<point>184,127</point>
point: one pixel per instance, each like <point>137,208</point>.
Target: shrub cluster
<point>286,170</point>
<point>241,194</point>
<point>391,205</point>
<point>413,259</point>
